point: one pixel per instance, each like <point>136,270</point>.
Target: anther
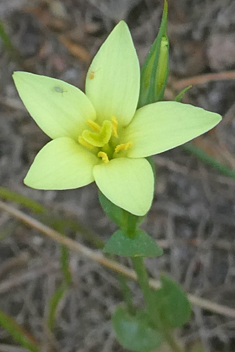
<point>104,157</point>
<point>123,147</point>
<point>114,126</point>
<point>94,125</point>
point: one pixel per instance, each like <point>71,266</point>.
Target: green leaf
<point>53,305</point>
<point>179,96</point>
<point>173,305</point>
<point>200,154</point>
<point>155,70</point>
<point>119,216</point>
<point>64,263</point>
<point>134,333</point>
<point>22,200</point>
<point>6,40</point>
<point>15,330</point>
<point>140,245</point>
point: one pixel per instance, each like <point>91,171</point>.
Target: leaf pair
<point>129,241</point>
<point>135,332</point>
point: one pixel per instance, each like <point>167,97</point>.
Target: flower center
<point>104,140</point>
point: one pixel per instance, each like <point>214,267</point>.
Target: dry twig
<point>99,258</point>
<point>201,79</point>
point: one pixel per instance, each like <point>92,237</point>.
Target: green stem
<point>139,266</point>
<point>143,279</point>
<point>129,224</point>
<point>169,337</point>
<point>127,295</point>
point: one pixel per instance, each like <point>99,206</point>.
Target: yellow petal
<point>158,127</point>
<point>61,164</point>
<point>59,109</point>
<point>128,183</point>
<point>113,79</point>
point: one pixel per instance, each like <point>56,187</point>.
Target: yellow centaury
<point>101,136</point>
<point>104,141</point>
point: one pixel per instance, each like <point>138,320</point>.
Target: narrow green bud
<point>154,72</point>
<point>162,67</point>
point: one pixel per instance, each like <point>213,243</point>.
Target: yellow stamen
<point>82,141</point>
<point>94,125</point>
<point>123,146</point>
<point>114,126</point>
<point>104,157</point>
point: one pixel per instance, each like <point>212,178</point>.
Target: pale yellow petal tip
<point>122,27</point>
<point>122,24</point>
<point>28,183</point>
<point>215,119</point>
<point>18,74</point>
<point>139,212</point>
<point>219,117</point>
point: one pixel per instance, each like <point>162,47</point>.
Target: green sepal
<point>119,216</point>
<point>140,245</point>
<point>134,332</point>
<point>155,70</point>
<point>151,162</point>
<point>172,303</point>
<point>179,96</point>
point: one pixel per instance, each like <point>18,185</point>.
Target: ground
<point>193,213</point>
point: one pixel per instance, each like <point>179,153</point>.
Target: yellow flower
<point>100,136</point>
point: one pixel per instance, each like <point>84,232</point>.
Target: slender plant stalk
<point>143,279</point>
<point>169,337</point>
<point>140,269</point>
<point>126,292</point>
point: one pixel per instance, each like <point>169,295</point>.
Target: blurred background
<point>193,213</point>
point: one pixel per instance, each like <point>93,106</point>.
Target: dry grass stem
<point>202,79</point>
<point>98,257</point>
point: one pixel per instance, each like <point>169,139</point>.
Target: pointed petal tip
<point>18,74</point>
<point>162,126</point>
<point>28,182</point>
<point>122,25</point>
<point>113,79</point>
<point>15,75</point>
<point>58,108</point>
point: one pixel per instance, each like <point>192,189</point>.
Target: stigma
<point>123,147</point>
<point>100,137</point>
<point>103,140</point>
<point>103,156</point>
